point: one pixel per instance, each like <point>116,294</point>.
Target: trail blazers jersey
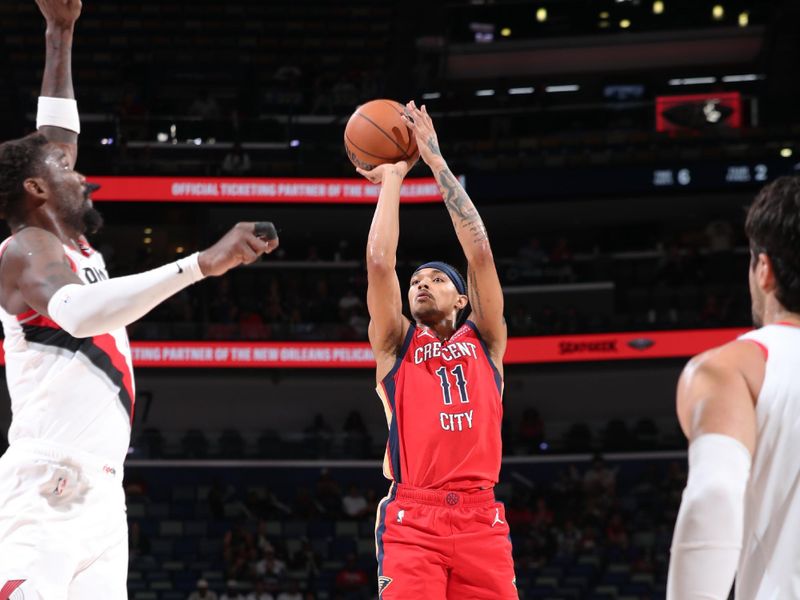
<point>769,564</point>
<point>443,403</point>
<point>70,391</point>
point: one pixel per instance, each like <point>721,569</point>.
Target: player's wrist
<point>60,30</point>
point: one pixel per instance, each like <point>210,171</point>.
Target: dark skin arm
<point>485,291</point>
<point>60,16</point>
<point>35,266</point>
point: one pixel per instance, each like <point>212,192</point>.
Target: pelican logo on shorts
<point>383,583</point>
<point>452,498</point>
<point>9,587</point>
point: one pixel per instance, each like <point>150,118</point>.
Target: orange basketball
<point>375,134</point>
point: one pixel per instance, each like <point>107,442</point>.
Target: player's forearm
<point>89,310</point>
<point>708,533</point>
<point>384,232</point>
<point>57,83</point>
<point>57,78</point>
<point>467,222</point>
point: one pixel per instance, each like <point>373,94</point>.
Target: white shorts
<point>63,528</point>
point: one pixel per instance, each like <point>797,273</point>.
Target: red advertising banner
<point>521,350</point>
<point>217,189</point>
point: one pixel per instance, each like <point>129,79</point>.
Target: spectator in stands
<point>328,493</point>
<point>542,515</point>
<point>236,162</point>
<point>599,478</point>
<point>205,106</point>
<point>568,540</point>
<point>236,540</point>
<point>292,591</point>
<point>319,436</point>
<point>531,432</point>
<point>138,542</point>
<point>307,561</point>
<point>616,533</point>
<point>233,591</point>
<point>202,592</point>
<point>357,441</point>
<point>351,580</point>
<point>260,592</point>
<point>561,260</point>
<point>354,504</point>
<point>270,565</point>
<point>305,507</point>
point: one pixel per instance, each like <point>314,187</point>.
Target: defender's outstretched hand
<point>62,13</point>
<point>421,125</point>
<point>379,173</point>
<point>242,245</point>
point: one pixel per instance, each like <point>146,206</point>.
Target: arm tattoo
<point>474,293</point>
<point>434,146</point>
<point>460,206</point>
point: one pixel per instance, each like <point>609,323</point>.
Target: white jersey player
<point>739,405</point>
<point>63,529</point>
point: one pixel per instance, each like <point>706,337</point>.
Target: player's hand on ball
<point>419,122</point>
<point>242,245</point>
<point>61,13</point>
<point>381,172</point>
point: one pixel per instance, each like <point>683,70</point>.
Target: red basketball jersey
<point>443,403</point>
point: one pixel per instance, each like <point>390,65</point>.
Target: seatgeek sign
<point>521,350</point>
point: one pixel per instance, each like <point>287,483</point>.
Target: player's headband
<point>451,272</point>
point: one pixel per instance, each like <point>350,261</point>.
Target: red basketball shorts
<point>443,545</point>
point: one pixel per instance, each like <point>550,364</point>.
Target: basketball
<point>375,134</point>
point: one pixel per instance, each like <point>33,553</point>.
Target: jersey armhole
<point>762,347</point>
<point>497,377</point>
<point>401,355</point>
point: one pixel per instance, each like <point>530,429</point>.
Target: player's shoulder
<point>33,239</point>
<point>738,358</point>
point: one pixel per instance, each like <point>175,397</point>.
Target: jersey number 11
<point>458,373</point>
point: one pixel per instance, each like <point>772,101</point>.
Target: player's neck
<point>775,313</point>
<point>443,329</point>
<point>68,235</point>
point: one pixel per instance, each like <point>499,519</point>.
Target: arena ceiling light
<point>658,7</point>
<point>744,19</point>
<point>718,12</point>
<point>786,152</point>
<point>518,91</point>
<point>693,81</point>
<point>431,95</point>
<point>541,14</point>
<point>742,77</point>
<point>484,92</point>
<point>625,23</point>
<point>556,89</point>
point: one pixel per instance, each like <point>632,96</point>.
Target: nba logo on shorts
<point>9,587</point>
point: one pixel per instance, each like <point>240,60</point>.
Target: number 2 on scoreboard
<point>461,382</point>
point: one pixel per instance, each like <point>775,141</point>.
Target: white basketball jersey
<point>74,392</point>
<point>769,566</point>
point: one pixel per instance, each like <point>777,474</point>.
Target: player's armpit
<point>39,265</point>
<point>387,323</point>
<point>486,304</point>
<point>717,393</point>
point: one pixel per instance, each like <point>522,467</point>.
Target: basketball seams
<point>401,111</point>
<point>379,128</point>
<point>360,149</point>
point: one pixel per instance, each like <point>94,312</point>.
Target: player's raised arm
<point>384,301</point>
<point>484,290</point>
<point>57,115</point>
<point>716,408</point>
